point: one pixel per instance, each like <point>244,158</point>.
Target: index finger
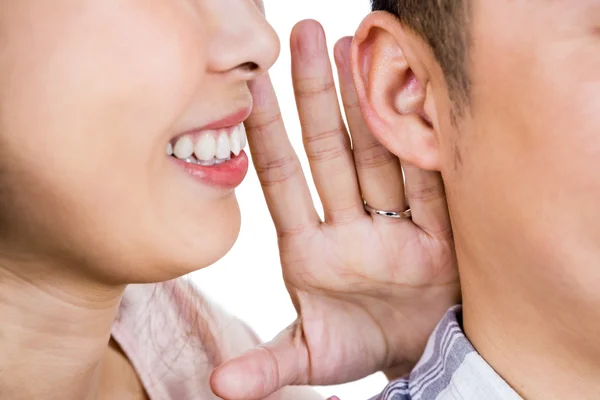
<point>277,165</point>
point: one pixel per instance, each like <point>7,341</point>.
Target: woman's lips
<point>234,119</point>
<point>227,175</point>
<point>214,153</point>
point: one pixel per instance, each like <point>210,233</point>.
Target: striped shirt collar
<point>450,369</point>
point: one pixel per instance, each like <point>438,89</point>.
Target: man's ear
<point>393,88</point>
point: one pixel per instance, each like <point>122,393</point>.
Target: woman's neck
<point>55,332</point>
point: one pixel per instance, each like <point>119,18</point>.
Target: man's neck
<point>543,343</point>
<point>55,335</point>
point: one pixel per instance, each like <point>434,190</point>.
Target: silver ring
<point>389,214</point>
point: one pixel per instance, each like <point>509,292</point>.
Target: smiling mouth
<point>209,147</point>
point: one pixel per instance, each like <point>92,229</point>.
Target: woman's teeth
<point>210,147</point>
<point>223,146</point>
<point>184,148</point>
<point>205,148</point>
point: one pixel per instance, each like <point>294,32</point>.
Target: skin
<point>520,165</point>
<point>102,87</point>
<point>189,77</point>
<point>368,290</point>
<point>92,91</point>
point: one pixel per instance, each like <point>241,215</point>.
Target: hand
<point>369,290</point>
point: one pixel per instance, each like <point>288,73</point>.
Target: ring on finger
<point>407,214</point>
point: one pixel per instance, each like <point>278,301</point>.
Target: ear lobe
<point>391,95</point>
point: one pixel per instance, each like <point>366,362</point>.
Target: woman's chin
<point>181,244</point>
<point>203,249</point>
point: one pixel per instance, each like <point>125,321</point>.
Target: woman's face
<point>94,97</point>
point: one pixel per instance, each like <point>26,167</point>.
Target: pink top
<point>174,337</point>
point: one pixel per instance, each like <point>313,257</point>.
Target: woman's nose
<point>242,41</point>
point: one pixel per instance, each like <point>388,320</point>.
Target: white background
<point>247,282</point>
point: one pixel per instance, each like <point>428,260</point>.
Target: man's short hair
<point>444,25</point>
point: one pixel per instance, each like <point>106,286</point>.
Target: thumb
<point>265,369</point>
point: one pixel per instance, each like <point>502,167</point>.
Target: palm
<point>349,258</point>
<point>368,289</point>
<point>349,272</point>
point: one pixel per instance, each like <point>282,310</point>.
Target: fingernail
<point>342,54</point>
<point>310,40</point>
<point>260,91</point>
<point>261,6</point>
<point>334,398</point>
